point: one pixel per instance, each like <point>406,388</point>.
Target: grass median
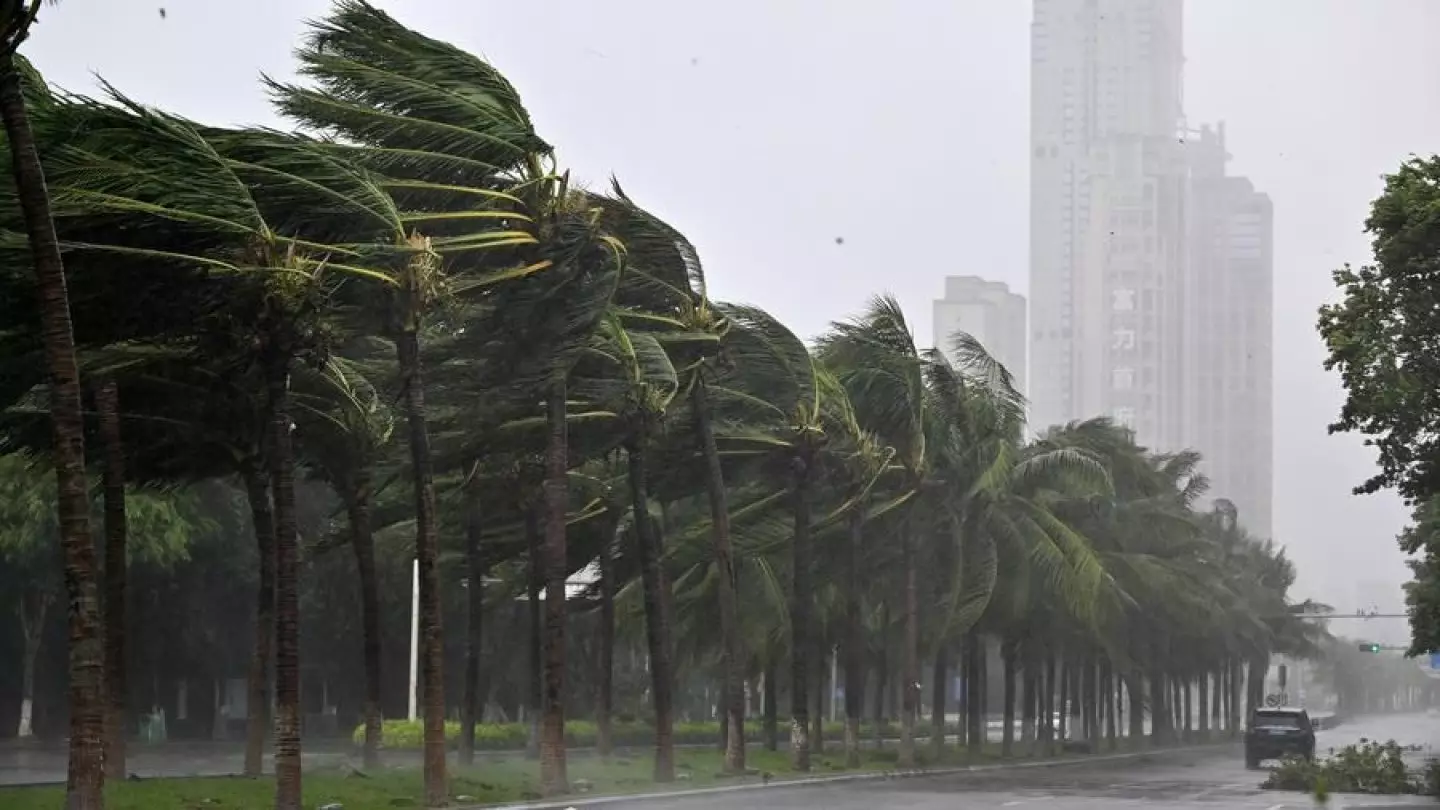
<point>495,778</point>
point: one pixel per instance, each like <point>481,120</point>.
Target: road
<point>1210,780</point>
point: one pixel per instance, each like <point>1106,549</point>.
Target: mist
<point>891,143</point>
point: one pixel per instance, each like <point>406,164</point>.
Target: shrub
<point>1369,767</point>
<point>409,734</point>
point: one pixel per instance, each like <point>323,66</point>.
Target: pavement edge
<point>580,802</point>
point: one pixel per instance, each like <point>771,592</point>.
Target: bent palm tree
<point>86,778</point>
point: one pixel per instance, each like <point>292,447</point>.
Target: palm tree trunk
<point>800,597</point>
<point>427,554</point>
<point>85,780</point>
<point>657,620</point>
<point>257,709</point>
<point>1047,704</point>
<point>854,641</point>
<point>770,722</point>
<point>975,716</point>
<point>1158,710</point>
<point>1233,698</point>
<point>1217,685</point>
<point>472,707</point>
<point>107,404</point>
<point>817,702</point>
<point>535,635</point>
<point>1007,734</point>
<point>940,673</point>
<point>731,649</point>
<point>1190,706</point>
<point>1090,702</point>
<point>1178,704</point>
<point>287,597</point>
<point>1029,695</point>
<point>362,542</point>
<point>553,778</point>
<point>1064,693</point>
<point>1107,685</point>
<point>1202,694</point>
<point>604,705</point>
<point>1135,690</point>
<point>910,670</point>
<point>882,683</point>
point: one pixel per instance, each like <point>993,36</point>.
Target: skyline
<point>715,98</point>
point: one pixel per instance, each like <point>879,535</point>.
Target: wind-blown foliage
<point>279,310</point>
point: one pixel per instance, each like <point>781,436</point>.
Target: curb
<point>581,802</point>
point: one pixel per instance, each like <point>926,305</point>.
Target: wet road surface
<point>1211,779</point>
<point>1208,780</point>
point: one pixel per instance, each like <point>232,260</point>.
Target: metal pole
<point>414,637</point>
<point>834,684</point>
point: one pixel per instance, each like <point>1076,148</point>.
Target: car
<point>1275,733</point>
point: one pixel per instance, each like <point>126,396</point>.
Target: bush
<point>1369,767</point>
<point>409,734</point>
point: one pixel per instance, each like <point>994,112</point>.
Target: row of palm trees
<point>410,293</point>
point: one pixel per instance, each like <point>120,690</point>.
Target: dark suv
<point>1276,733</point>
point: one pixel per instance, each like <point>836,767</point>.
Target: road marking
<point>1275,807</point>
<point>1012,804</point>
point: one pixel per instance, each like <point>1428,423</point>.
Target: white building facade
<point>1150,269</point>
<point>1229,301</point>
<point>989,312</point>
<point>1107,214</point>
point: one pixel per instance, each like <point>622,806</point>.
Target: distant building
<point>1107,222</point>
<point>1150,269</point>
<point>1228,305</point>
<point>988,311</point>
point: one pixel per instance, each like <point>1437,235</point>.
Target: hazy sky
<point>767,128</point>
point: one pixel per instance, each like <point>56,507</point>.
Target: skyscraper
<point>1150,268</point>
<point>1107,221</point>
<point>988,311</point>
<point>1229,298</point>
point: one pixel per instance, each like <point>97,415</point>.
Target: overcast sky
<point>767,128</point>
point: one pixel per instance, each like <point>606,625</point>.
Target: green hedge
<point>403,734</point>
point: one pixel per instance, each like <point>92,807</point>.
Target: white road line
<point>1275,807</point>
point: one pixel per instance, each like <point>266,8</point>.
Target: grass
<point>495,778</point>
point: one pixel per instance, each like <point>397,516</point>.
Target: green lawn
<point>494,778</point>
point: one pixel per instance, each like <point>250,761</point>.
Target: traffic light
<point>1370,647</point>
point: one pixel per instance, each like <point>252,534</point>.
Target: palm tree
<point>86,778</point>
<point>343,427</point>
<point>776,406</point>
<point>107,406</point>
<point>389,96</point>
<point>665,293</point>
<point>878,363</point>
<point>256,233</point>
<point>643,384</point>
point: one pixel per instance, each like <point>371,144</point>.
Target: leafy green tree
<point>1421,540</point>
<point>1382,338</point>
<point>161,524</point>
<point>1382,335</point>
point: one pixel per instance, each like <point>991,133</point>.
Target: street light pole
<point>414,638</point>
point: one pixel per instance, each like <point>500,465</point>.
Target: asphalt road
<point>1206,780</point>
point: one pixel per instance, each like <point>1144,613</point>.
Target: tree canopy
<point>406,333</point>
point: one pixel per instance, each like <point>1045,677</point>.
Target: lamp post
<point>414,637</point>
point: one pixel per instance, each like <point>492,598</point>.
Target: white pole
<point>834,689</point>
<point>414,636</point>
